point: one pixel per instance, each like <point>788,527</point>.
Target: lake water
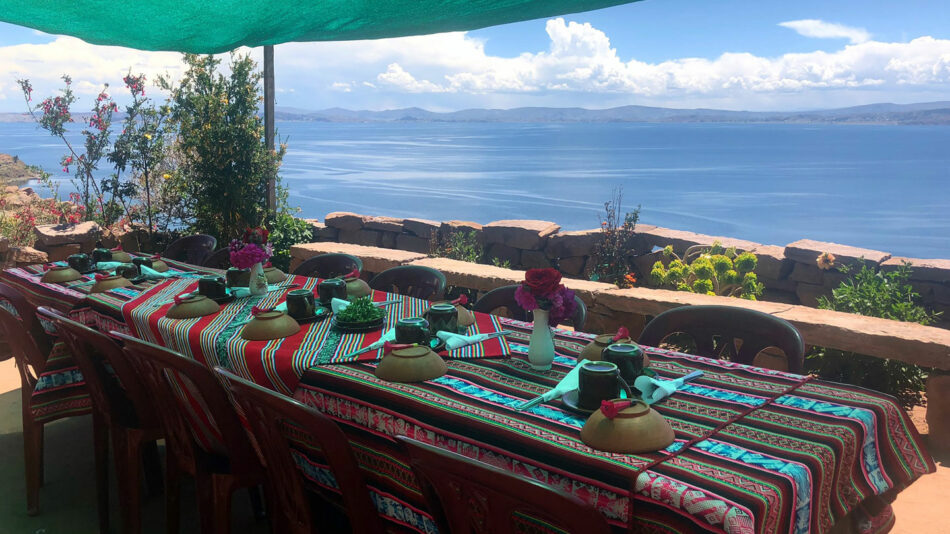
<point>879,187</point>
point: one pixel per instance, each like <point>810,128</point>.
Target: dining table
<point>755,450</point>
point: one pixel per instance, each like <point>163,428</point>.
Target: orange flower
<point>825,261</point>
<point>630,278</point>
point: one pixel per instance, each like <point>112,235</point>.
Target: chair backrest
<point>756,330</point>
<point>21,347</point>
<point>219,259</point>
<point>196,408</point>
<point>37,344</point>
<point>467,496</point>
<point>193,249</point>
<point>504,296</point>
<point>329,265</point>
<point>269,415</point>
<point>411,280</point>
<point>116,389</point>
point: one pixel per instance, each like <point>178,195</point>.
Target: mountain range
<point>931,113</point>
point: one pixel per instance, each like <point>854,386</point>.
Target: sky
<point>728,54</point>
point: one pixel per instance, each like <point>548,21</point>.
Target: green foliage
<point>360,310</point>
<point>611,256</point>
<point>875,294</point>
<point>285,232</point>
<point>711,270</point>
<point>463,246</point>
<point>224,161</point>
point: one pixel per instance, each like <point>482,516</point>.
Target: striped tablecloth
<point>277,364</point>
<point>756,451</point>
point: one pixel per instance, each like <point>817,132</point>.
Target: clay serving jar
<point>59,274</point>
<point>238,277</point>
<point>272,324</point>
<point>634,429</point>
<point>102,254</point>
<point>121,256</point>
<point>411,364</point>
<point>192,306</point>
<point>106,283</point>
<point>81,262</point>
<point>127,270</point>
<point>274,275</point>
<point>356,288</point>
<point>594,349</point>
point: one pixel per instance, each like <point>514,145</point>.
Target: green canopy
<point>212,26</point>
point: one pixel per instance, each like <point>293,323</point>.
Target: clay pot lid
<point>268,315</point>
<point>191,299</point>
<point>608,339</point>
<point>417,351</point>
<point>109,278</point>
<point>638,408</point>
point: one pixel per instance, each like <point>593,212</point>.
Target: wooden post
<point>269,122</point>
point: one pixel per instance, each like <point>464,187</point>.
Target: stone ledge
<point>423,228</point>
<point>61,234</point>
<point>926,270</point>
<point>344,220</point>
<point>375,259</point>
<point>523,234</point>
<point>655,236</point>
<point>807,251</point>
<point>567,244</point>
<point>472,275</point>
<point>386,224</point>
<point>908,342</point>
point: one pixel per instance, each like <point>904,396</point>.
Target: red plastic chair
<point>466,496</point>
<point>329,265</point>
<point>192,249</point>
<point>411,280</point>
<point>269,416</point>
<point>29,345</point>
<point>756,331</point>
<point>121,406</point>
<point>504,297</point>
<point>204,436</point>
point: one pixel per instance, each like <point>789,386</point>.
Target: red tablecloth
<point>800,455</point>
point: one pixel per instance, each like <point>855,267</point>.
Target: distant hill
<point>922,113</point>
<point>934,113</point>
<point>13,171</point>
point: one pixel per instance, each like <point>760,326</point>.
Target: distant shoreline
<point>920,114</point>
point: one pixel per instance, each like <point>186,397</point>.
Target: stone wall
<point>790,273</point>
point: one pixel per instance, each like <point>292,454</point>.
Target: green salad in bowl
<point>360,311</point>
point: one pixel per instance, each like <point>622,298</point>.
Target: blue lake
<point>879,187</point>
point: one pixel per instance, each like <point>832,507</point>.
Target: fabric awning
<point>212,26</point>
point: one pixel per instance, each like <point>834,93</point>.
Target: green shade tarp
<point>212,26</point>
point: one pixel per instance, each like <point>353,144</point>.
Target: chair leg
<point>214,502</point>
<point>257,502</point>
<point>32,451</point>
<point>153,468</point>
<point>127,454</point>
<point>100,433</point>
<point>172,493</point>
<point>41,454</point>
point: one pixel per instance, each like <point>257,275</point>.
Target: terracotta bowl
<point>121,256</point>
<point>274,275</point>
<point>109,282</point>
<point>593,349</point>
<point>193,306</point>
<point>59,274</point>
<point>637,428</point>
<point>159,266</point>
<point>356,288</point>
<point>268,325</point>
<point>412,364</point>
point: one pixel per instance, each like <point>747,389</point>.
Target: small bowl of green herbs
<point>360,316</point>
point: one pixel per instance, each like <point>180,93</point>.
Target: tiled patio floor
<point>68,499</point>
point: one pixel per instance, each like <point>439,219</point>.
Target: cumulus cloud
<point>820,29</point>
<point>579,67</point>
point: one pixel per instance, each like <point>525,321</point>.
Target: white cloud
<point>580,67</point>
<point>820,29</point>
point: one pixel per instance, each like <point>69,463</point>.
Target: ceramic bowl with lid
<point>59,274</point>
<point>356,288</point>
<point>634,429</point>
<point>597,345</point>
<point>106,283</point>
<point>192,306</point>
<point>121,256</point>
<point>274,275</point>
<point>270,324</point>
<point>411,364</point>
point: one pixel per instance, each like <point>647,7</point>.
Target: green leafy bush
<point>711,270</point>
<point>463,246</point>
<point>875,294</point>
<point>612,255</point>
<point>285,232</point>
<point>223,156</point>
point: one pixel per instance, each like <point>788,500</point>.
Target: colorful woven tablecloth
<point>798,456</point>
<point>277,364</point>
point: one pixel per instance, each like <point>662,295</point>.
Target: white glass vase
<point>258,282</point>
<point>541,344</point>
